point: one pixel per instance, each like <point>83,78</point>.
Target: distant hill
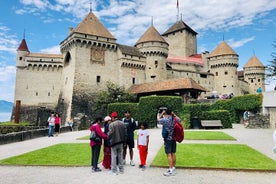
<point>5,106</point>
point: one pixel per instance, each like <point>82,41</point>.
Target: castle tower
<point>22,51</point>
<point>155,48</point>
<point>181,39</point>
<point>254,74</point>
<point>89,58</point>
<point>223,64</point>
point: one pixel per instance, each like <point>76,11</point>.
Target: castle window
<point>252,81</point>
<point>36,94</point>
<point>49,94</point>
<point>20,58</point>
<point>203,75</point>
<point>216,73</point>
<point>98,79</point>
<point>225,72</point>
<point>156,63</point>
<point>152,76</point>
<point>133,80</point>
<point>259,80</point>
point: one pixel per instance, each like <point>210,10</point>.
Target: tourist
<point>131,126</point>
<point>166,119</point>
<point>274,140</point>
<point>143,144</point>
<point>117,135</point>
<point>57,124</point>
<point>107,148</point>
<point>51,123</point>
<point>96,145</point>
<point>246,119</point>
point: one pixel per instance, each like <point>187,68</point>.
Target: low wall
<point>26,135</point>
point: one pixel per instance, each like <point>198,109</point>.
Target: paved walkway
<point>259,139</point>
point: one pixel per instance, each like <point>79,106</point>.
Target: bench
<point>211,123</point>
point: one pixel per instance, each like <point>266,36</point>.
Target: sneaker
<point>124,162</point>
<point>98,170</point>
<point>113,173</point>
<point>121,171</point>
<point>132,163</point>
<point>168,173</point>
<point>143,168</point>
<point>140,166</point>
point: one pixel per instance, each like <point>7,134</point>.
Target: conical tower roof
<point>253,62</point>
<point>178,26</point>
<point>92,26</point>
<point>151,35</point>
<point>223,49</point>
<point>23,46</point>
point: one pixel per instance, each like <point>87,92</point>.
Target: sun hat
<point>107,118</point>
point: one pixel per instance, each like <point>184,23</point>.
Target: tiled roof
<point>178,26</point>
<point>92,26</point>
<point>253,62</point>
<point>23,46</point>
<point>223,49</point>
<point>195,59</point>
<point>133,51</point>
<point>151,35</point>
<point>166,85</point>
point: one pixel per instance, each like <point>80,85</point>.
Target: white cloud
<point>7,81</point>
<point>8,42</point>
<point>239,43</point>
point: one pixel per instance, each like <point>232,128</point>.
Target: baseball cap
<point>107,118</point>
<point>114,114</point>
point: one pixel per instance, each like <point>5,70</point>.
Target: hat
<point>114,114</point>
<point>107,118</point>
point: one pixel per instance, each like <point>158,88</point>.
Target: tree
<point>271,67</point>
<point>114,93</point>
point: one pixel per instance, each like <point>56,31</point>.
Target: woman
<point>96,145</point>
<point>107,149</point>
<point>57,124</point>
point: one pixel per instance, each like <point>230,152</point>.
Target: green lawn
<point>217,156</point>
<point>69,154</point>
<point>207,135</point>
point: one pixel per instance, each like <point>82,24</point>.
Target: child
<point>143,143</point>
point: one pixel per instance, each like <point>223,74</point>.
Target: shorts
<point>170,146</point>
<point>129,143</point>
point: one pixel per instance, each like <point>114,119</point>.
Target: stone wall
<point>258,121</point>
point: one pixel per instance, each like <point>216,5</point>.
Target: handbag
<point>94,136</point>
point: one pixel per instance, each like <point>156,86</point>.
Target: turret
<point>223,63</point>
<point>22,52</point>
<point>155,48</point>
<point>254,74</point>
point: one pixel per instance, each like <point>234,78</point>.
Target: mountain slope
<point>5,106</point>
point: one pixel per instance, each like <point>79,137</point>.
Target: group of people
<point>118,135</point>
<point>54,124</point>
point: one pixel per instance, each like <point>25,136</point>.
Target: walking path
<point>259,139</point>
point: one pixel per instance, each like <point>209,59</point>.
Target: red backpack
<point>178,131</point>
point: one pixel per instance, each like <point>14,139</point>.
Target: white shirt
<point>142,136</point>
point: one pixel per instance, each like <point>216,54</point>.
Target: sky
<point>248,26</point>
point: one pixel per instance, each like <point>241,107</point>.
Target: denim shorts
<point>170,146</point>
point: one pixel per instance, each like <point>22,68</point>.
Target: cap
<point>107,118</point>
<point>114,114</point>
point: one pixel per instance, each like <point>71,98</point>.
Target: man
<point>246,119</point>
<point>166,119</point>
<point>117,135</point>
<point>51,124</point>
<point>131,126</point>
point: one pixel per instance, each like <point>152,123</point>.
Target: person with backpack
<point>166,119</point>
<point>131,126</point>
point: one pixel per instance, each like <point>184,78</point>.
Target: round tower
<point>223,64</point>
<point>155,49</point>
<point>22,52</point>
<point>254,74</point>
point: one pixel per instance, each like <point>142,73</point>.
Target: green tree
<point>271,67</point>
<point>113,93</point>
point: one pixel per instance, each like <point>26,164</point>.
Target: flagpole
<point>177,6</point>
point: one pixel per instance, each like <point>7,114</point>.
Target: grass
<point>207,156</point>
<point>69,154</point>
<point>207,135</point>
<point>217,156</point>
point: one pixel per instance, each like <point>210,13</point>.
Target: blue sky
<point>249,27</point>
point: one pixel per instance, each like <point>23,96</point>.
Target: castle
<point>90,56</point>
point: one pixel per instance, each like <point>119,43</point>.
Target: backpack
<point>178,131</point>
